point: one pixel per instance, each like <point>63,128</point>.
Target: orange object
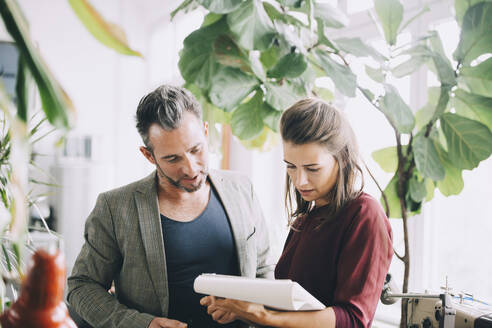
<point>40,303</point>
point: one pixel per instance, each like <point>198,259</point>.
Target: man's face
<point>180,155</point>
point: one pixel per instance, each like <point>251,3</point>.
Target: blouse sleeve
<point>363,264</point>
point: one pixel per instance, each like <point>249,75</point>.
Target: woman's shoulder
<point>365,207</point>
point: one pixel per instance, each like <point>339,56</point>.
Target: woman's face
<point>312,170</point>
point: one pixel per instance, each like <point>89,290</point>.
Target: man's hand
<point>166,323</point>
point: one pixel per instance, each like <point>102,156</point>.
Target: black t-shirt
<point>204,245</point>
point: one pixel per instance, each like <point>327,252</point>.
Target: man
<point>154,236</point>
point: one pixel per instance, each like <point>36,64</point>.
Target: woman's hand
<point>229,308</point>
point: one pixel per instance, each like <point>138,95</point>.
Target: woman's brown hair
<point>312,120</point>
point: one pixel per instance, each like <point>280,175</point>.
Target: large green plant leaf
<point>197,62</point>
<point>331,17</point>
<point>281,97</point>
<point>55,102</point>
<point>290,66</point>
<point>356,47</point>
<point>481,106</point>
<point>376,74</point>
<point>228,53</point>
<point>396,110</point>
<point>426,113</point>
<point>274,14</point>
<point>22,89</point>
<point>452,184</point>
<point>387,158</point>
<point>409,66</point>
<point>390,14</point>
<point>479,78</point>
<point>271,117</point>
<point>341,75</point>
<point>105,32</point>
<point>427,159</point>
<point>391,192</point>
<point>251,26</point>
<point>230,86</point>
<point>186,6</point>
<point>469,141</point>
<point>475,38</point>
<point>221,6</point>
<point>322,37</point>
<point>417,189</point>
<point>289,38</point>
<point>247,119</point>
<point>461,6</point>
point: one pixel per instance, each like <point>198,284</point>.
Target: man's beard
<point>177,183</point>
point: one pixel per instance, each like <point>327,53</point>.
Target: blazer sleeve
<point>96,266</point>
<point>265,263</point>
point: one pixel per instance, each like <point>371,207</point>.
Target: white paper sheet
<point>281,294</point>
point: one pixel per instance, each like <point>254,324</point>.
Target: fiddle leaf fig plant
<point>253,59</point>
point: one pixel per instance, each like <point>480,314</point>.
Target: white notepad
<point>283,294</point>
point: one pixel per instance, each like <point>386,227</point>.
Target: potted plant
<point>250,60</point>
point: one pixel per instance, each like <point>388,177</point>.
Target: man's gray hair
<point>165,106</point>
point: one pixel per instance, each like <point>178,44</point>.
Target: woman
<point>339,247</point>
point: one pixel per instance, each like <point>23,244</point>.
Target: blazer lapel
<point>226,193</point>
<point>151,230</point>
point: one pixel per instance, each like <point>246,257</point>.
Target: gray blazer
<point>124,243</point>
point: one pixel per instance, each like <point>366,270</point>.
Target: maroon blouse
<point>344,262</point>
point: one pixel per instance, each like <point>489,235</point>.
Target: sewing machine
<point>444,310</point>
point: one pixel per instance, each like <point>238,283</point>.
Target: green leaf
<point>281,97</point>
<point>481,106</point>
<point>197,62</point>
<point>322,38</point>
<point>426,158</point>
<point>479,78</point>
<point>221,6</point>
<point>271,117</point>
<point>341,75</point>
<point>251,26</point>
<point>426,113</point>
<point>331,16</point>
<point>390,13</point>
<point>445,72</point>
<point>409,66</point>
<point>247,122</point>
<point>211,18</point>
<point>391,192</point>
<point>452,184</point>
<point>55,102</point>
<point>289,38</point>
<point>256,66</point>
<point>265,141</point>
<point>376,74</point>
<point>387,158</point>
<point>186,6</point>
<point>475,38</point>
<point>469,141</point>
<point>230,86</point>
<point>290,66</point>
<point>396,110</point>
<point>417,189</point>
<point>461,6</point>
<point>429,186</point>
<point>323,93</point>
<point>228,53</point>
<point>22,89</point>
<point>270,56</point>
<point>367,93</point>
<point>274,14</point>
<point>417,15</point>
<point>356,47</point>
<point>105,32</point>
